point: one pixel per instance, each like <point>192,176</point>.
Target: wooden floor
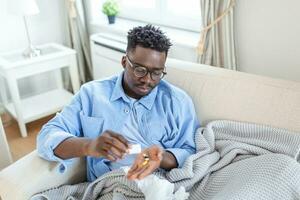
<point>21,146</point>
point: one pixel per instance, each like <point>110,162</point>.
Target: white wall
<point>47,26</point>
<point>268,37</point>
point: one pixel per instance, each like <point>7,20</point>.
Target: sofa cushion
<point>225,94</point>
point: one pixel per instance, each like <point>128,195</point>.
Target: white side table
<point>14,66</point>
<point>5,155</point>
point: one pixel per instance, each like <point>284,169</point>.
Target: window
<point>184,14</point>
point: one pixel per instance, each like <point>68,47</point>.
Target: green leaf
<point>110,8</point>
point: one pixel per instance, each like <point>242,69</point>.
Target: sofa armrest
<point>32,174</point>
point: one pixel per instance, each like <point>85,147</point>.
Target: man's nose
<point>147,78</point>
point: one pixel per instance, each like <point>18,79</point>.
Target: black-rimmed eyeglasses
<point>140,71</point>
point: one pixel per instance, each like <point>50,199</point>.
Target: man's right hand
<point>109,145</point>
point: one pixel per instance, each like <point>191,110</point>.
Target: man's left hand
<point>145,163</point>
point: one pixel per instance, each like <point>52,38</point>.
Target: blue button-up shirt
<point>166,117</point>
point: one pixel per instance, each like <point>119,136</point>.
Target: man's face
<point>152,60</point>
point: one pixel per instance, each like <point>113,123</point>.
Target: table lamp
<point>27,8</point>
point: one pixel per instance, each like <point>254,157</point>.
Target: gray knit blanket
<point>234,160</point>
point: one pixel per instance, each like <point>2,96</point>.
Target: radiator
<point>107,51</point>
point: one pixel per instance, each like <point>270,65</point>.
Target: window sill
<point>178,37</point>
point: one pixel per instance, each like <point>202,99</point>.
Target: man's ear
<point>123,61</point>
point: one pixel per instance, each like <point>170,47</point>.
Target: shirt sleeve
<point>181,142</point>
<point>64,125</point>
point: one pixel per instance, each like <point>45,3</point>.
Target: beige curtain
<point>78,37</point>
<point>216,45</point>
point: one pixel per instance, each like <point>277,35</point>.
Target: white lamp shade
<point>23,7</point>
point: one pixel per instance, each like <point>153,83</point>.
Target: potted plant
<point>111,9</point>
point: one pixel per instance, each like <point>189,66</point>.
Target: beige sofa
<point>217,94</point>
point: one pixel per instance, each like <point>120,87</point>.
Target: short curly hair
<point>148,37</point>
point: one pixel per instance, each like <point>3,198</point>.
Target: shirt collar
<point>118,92</point>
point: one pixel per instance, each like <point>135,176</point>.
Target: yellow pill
<point>145,163</point>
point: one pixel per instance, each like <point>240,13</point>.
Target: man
<point>137,107</point>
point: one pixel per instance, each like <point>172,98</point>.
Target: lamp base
<point>31,52</point>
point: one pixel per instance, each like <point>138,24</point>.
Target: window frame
<point>159,15</point>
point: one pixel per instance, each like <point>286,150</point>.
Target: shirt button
<point>126,110</point>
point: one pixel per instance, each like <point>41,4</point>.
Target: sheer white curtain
<point>78,37</point>
<point>216,45</point>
